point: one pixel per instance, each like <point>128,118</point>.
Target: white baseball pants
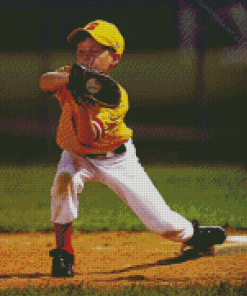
<point>126,177</point>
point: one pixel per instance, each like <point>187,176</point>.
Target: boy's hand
<point>98,63</point>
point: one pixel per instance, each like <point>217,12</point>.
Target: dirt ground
<point>109,260</point>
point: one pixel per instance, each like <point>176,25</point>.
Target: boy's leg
<point>68,182</point>
<point>63,212</point>
<point>127,178</point>
<point>64,201</point>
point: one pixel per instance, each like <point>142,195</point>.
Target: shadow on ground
<point>185,256</point>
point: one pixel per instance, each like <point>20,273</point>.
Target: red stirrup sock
<point>63,233</point>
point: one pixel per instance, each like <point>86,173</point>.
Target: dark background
<point>35,26</point>
<point>145,24</point>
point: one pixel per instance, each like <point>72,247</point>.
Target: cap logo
<point>117,45</point>
<point>92,26</point>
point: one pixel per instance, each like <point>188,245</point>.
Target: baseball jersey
<point>108,122</point>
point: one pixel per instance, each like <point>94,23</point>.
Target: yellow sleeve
<point>112,118</point>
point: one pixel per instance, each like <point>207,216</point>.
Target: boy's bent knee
<point>63,184</point>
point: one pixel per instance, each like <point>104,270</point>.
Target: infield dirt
<point>111,260</point>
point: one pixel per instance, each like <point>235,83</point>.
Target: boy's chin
<point>81,64</point>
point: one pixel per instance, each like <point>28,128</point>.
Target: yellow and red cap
<point>103,32</point>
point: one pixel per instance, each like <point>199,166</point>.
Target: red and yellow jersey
<point>108,122</point>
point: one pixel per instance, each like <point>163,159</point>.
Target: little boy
<point>97,146</point>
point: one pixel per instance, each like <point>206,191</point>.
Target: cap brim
<point>78,35</point>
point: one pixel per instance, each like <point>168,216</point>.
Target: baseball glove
<point>92,86</point>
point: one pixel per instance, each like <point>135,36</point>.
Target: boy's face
<point>91,54</point>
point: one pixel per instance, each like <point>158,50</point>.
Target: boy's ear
<point>115,60</point>
<point>116,57</point>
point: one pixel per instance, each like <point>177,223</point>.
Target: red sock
<point>63,233</point>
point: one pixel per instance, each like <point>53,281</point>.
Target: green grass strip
<point>214,195</point>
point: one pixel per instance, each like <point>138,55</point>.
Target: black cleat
<point>62,263</point>
<point>205,237</point>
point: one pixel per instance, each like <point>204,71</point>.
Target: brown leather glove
<point>92,86</point>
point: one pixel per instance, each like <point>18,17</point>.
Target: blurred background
<point>184,68</point>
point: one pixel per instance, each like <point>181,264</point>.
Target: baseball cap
<point>103,32</point>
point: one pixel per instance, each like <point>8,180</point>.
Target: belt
<point>121,149</point>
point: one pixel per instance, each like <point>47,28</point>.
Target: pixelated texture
<point>182,84</point>
<point>184,70</point>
